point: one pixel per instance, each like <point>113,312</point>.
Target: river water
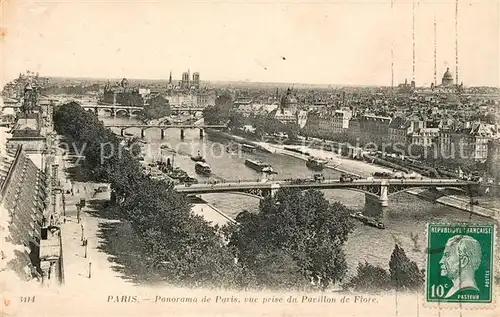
<point>405,218</point>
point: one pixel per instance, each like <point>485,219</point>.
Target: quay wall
<point>235,138</point>
<point>424,194</point>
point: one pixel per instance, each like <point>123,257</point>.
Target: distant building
<point>196,80</point>
<point>329,123</point>
<point>28,133</point>
<point>399,130</point>
<point>185,80</point>
<point>406,88</point>
<point>493,159</point>
<point>122,95</point>
<point>447,79</point>
<point>7,117</point>
<point>287,110</point>
<point>467,141</point>
<point>425,133</point>
<point>375,128</point>
<point>144,92</point>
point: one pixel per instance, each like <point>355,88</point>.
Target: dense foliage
<point>156,107</point>
<point>370,278</point>
<point>295,241</point>
<point>301,231</point>
<point>403,275</point>
<point>182,247</point>
<point>70,90</point>
<point>264,124</point>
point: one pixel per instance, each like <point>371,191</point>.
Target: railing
<point>326,181</point>
<point>164,126</point>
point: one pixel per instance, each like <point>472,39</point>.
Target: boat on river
<point>248,148</point>
<point>316,163</point>
<point>368,221</point>
<point>260,166</point>
<point>198,158</point>
<point>202,168</point>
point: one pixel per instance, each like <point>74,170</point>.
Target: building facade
<point>467,142</point>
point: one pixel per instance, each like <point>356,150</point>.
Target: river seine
<point>405,218</point>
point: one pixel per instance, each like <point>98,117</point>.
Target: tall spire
<point>456,41</point>
<point>392,45</point>
<point>435,51</point>
<point>413,37</point>
<point>170,78</point>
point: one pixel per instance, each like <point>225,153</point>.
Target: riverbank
<point>363,169</point>
<point>455,202</point>
<point>335,162</point>
<point>238,139</point>
<point>209,212</point>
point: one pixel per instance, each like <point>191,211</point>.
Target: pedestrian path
<point>85,266</point>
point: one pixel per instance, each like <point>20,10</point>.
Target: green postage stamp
<point>460,263</point>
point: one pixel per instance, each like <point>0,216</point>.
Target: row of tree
<point>156,107</point>
<point>180,247</point>
<point>296,240</point>
<point>403,275</point>
<point>264,124</point>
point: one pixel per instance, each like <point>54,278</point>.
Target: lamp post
<point>85,243</point>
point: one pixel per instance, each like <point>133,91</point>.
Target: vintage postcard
<point>249,158</point>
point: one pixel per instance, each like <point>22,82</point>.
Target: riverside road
<point>405,217</point>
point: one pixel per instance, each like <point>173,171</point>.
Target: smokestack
<point>392,46</point>
<point>456,42</point>
<point>435,52</point>
<point>413,36</point>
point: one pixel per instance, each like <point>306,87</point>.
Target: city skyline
<point>317,43</point>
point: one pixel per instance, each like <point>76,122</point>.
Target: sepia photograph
<point>249,158</point>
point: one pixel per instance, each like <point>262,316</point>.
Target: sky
<point>316,42</point>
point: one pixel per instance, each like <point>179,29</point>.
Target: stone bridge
<point>164,127</point>
<point>113,110</point>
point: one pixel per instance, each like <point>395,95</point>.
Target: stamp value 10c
<point>460,263</point>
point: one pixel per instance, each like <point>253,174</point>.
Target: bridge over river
<point>377,191</point>
<point>163,127</point>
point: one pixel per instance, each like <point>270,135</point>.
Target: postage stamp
<point>460,263</point>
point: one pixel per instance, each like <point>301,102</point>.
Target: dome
<point>288,99</point>
<point>447,74</point>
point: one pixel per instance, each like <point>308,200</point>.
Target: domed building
<point>288,111</point>
<point>447,78</point>
<point>288,102</point>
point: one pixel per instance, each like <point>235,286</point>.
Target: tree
<point>236,120</point>
<point>370,278</point>
<point>404,273</point>
<point>181,247</point>
<point>490,118</point>
<point>215,115</point>
<point>156,107</point>
<point>304,225</point>
<point>224,101</point>
<point>277,270</point>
